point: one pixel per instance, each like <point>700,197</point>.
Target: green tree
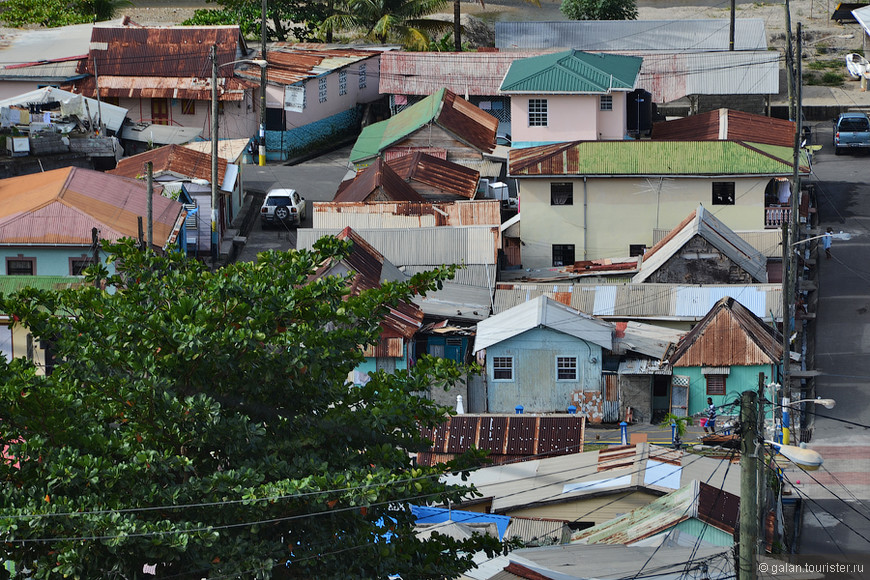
<point>50,13</point>
<point>599,9</point>
<point>286,19</point>
<point>202,422</point>
<point>389,20</point>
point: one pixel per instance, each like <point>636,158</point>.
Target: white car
<point>283,206</point>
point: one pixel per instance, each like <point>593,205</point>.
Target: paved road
<point>837,521</point>
<point>316,180</point>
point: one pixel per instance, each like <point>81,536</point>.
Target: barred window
<point>503,368</point>
<point>342,83</point>
<point>563,254</point>
<point>566,368</point>
<point>362,75</point>
<point>562,194</point>
<point>716,384</point>
<point>321,89</point>
<point>537,112</point>
<point>605,103</point>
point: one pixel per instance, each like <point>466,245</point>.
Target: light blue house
<point>545,357</point>
<point>722,357</point>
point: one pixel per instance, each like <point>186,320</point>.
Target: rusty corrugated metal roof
<point>450,178</point>
<point>61,207</point>
<point>730,334</point>
<point>726,124</point>
<point>464,73</point>
<point>289,63</point>
<point>517,436</point>
<point>171,159</point>
<point>377,182</point>
<point>388,214</point>
<point>402,319</point>
<point>162,62</point>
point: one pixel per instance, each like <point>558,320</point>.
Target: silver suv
<point>283,206</point>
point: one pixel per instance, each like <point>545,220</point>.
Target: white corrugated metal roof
<point>645,301</point>
<point>718,235</point>
<point>648,339</point>
<point>543,311</point>
<point>701,35</point>
<point>422,246</point>
<point>480,275</point>
<point>457,301</point>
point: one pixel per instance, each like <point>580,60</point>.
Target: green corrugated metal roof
<point>702,158</point>
<point>573,71</point>
<point>377,137</point>
<point>12,284</point>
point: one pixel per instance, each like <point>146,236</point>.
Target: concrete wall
<point>624,211</point>
<point>534,385</point>
<point>283,145</point>
<point>698,262</point>
<point>635,391</point>
<point>239,120</point>
<point>570,118</point>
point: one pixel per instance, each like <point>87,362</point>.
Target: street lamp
<point>786,405</point>
<point>806,459</point>
<point>214,146</point>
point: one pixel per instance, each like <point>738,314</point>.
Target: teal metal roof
<point>624,158</point>
<point>11,284</point>
<point>573,71</point>
<point>378,136</point>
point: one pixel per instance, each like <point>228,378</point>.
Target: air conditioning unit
<point>498,190</point>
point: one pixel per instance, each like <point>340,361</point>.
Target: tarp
<point>72,104</point>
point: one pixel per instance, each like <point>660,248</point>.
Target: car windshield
<point>276,201</point>
<point>853,125</point>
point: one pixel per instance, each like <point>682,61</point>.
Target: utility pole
<point>214,158</point>
<point>760,479</point>
<point>789,62</point>
<point>748,472</point>
<point>262,151</point>
<point>149,172</point>
<point>731,30</point>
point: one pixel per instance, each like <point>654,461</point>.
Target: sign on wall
<point>294,98</point>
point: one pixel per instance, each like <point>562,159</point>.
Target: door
<point>610,398</point>
<point>160,111</point>
<point>680,395</point>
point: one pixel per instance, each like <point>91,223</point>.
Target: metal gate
<point>610,398</point>
<point>680,395</point>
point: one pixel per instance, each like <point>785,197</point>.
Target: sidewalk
<point>609,434</point>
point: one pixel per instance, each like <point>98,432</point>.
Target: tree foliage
<point>285,19</point>
<point>48,13</point>
<point>599,9</point>
<point>201,422</point>
<point>385,21</point>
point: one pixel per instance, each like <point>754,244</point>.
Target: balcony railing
<point>775,215</point>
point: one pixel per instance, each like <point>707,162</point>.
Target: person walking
<point>826,242</point>
<point>710,425</point>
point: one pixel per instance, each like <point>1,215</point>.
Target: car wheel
<point>837,150</point>
<point>282,212</point>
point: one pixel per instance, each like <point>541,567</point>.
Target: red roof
<point>171,159</point>
<point>377,182</point>
<point>725,125</point>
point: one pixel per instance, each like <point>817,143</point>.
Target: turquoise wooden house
<point>545,357</point>
<point>721,357</point>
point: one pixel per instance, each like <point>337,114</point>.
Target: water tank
<point>639,107</point>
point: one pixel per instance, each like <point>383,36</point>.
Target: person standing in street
<point>711,417</point>
<point>826,242</point>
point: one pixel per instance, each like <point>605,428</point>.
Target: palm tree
<point>383,20</point>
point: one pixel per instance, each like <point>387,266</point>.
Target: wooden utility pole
<point>263,29</point>
<point>748,500</point>
<point>214,157</point>
<point>761,479</point>
<point>789,62</point>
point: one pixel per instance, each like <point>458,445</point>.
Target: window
<point>636,250</point>
<point>566,368</point>
<point>537,112</point>
<point>605,103</point>
<point>78,265</point>
<point>160,111</point>
<point>715,384</point>
<point>188,107</point>
<point>563,254</point>
<point>503,368</point>
<point>362,75</point>
<point>321,89</point>
<point>561,194</point>
<point>20,266</point>
<point>342,83</point>
<point>723,193</point>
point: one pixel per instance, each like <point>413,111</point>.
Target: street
<point>316,180</point>
<point>837,519</point>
